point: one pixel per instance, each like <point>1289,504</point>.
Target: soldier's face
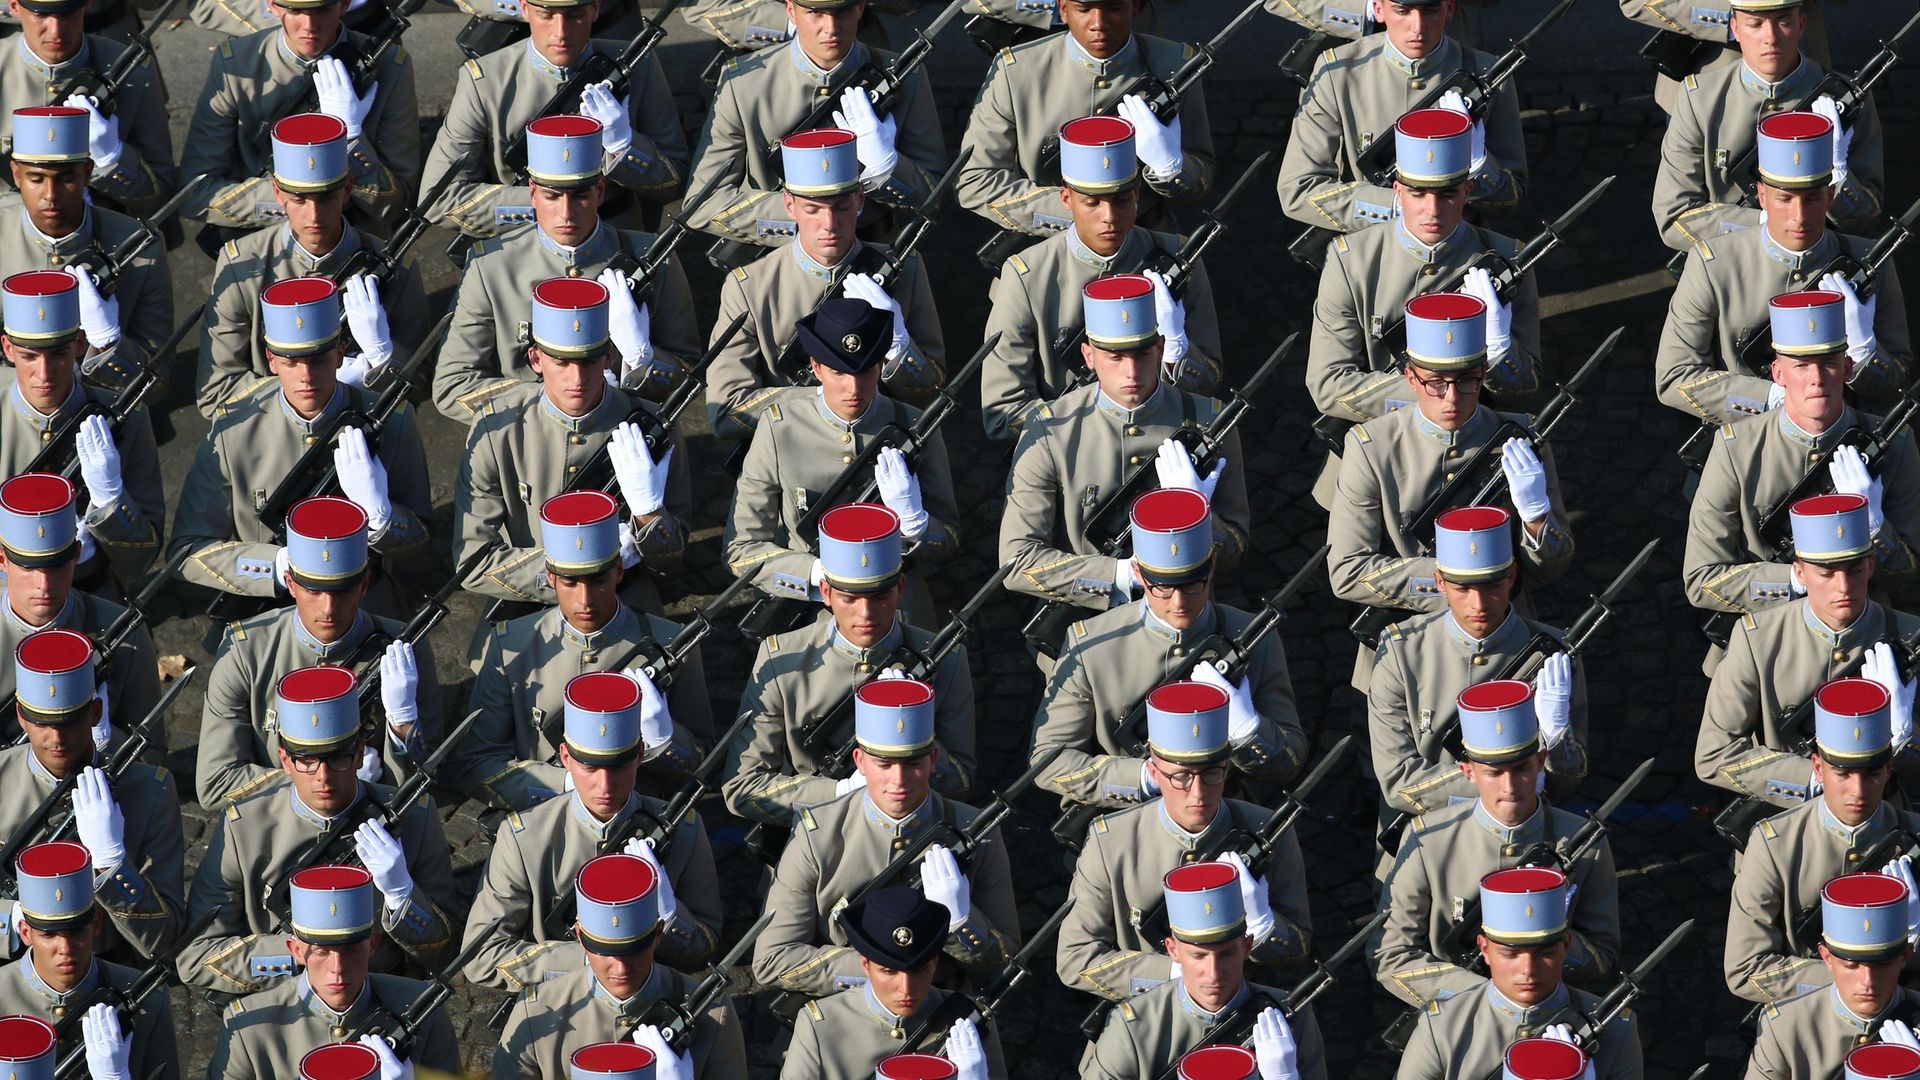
<point>336,972</point>
<point>326,614</point>
<point>1180,606</point>
<point>1525,976</point>
<point>1447,399</point>
<point>310,31</point>
<point>569,216</point>
<point>1815,387</point>
<point>902,990</point>
<point>825,36</point>
<point>1431,214</point>
<point>46,376</point>
<point>603,789</point>
<point>560,33</point>
<point>623,976</point>
<point>1770,41</point>
<point>1796,220</point>
<point>53,38</point>
<point>1415,31</point>
<point>1852,795</point>
<point>62,748</point>
<point>1480,609</point>
<point>1510,792</point>
<point>307,382</point>
<point>1102,221</point>
<point>1102,27</point>
<point>37,593</point>
<point>587,603</point>
<point>317,219</point>
<point>1837,594</point>
<point>895,785</point>
<point>574,387</point>
<point>54,195</point>
<point>1212,973</point>
<point>1191,807</point>
<point>825,227</point>
<point>1866,988</point>
<point>848,396</point>
<point>864,617</point>
<point>331,784</point>
<point>61,957</point>
<point>1129,378</point>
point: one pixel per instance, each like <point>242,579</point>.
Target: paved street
<point>1589,113</point>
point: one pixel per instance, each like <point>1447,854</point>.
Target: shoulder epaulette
<point>1767,830</point>
<point>739,273</point>
<point>1692,83</point>
<point>772,641</point>
<point>806,820</point>
<point>226,49</point>
<point>813,1010</point>
<point>1340,244</point>
<point>773,411</point>
<point>1019,264</point>
<point>516,822</point>
<point>233,812</point>
<point>1747,621</point>
<point>233,250</point>
<point>473,69</point>
<point>1126,1012</point>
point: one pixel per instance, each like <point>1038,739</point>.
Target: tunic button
<point>577,439</point>
<point>339,1032</point>
<point>1133,459</point>
<point>1454,452</point>
<point>573,271</point>
<point>571,469</point>
<point>1478,661</point>
<point>1449,476</point>
<point>1428,271</point>
<point>864,667</point>
<point>59,1012</point>
<point>1839,657</point>
<point>846,459</point>
<point>846,437</point>
<point>1179,651</point>
<point>1133,429</point>
<point>309,440</point>
<point>46,436</point>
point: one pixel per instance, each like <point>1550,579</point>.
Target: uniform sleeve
<point>386,166</point>
<point>1731,751</point>
<point>1519,371</point>
<point>147,898</point>
<point>735,205</point>
<point>1593,945</point>
<point>761,784</point>
<point>1885,372</point>
<point>437,1048</point>
<point>655,165</point>
<point>156,1051</point>
<point>1547,557</point>
<point>1027,529</point>
<point>922,149</point>
<point>226,330</point>
<point>129,529</point>
<point>409,492</point>
<point>225,759</point>
<point>1683,210</point>
<point>1311,187</point>
<point>941,541</point>
<point>674,330</point>
<point>1720,573</point>
<point>1010,378</point>
<point>954,725</point>
<point>1760,963</point>
<point>923,368</point>
<point>1338,373</point>
<point>786,955</point>
<point>145,296</point>
<point>736,383</point>
<point>756,531</point>
<point>723,1040</point>
<point>1408,969</point>
<point>1770,1060</point>
<point>1689,373</point>
<point>422,926</point>
<point>1197,165</point>
<point>1232,515</point>
<point>516,1054</point>
<point>468,369</point>
<point>462,147</point>
<point>1707,21</point>
<point>505,572</point>
<point>1116,1056</point>
<point>805,1059</point>
<point>213,149</point>
<point>1201,371</point>
<point>145,175</point>
<point>1089,956</point>
<point>1068,719</point>
<point>1424,1058</point>
<point>1409,782</point>
<point>226,957</point>
<point>506,895</point>
<point>1857,204</point>
<point>204,526</point>
<point>991,183</point>
<point>1893,546</point>
<point>1279,744</point>
<point>990,936</point>
<point>1359,566</point>
<point>1502,181</point>
<point>662,541</point>
<point>693,933</point>
<point>487,766</point>
<point>1286,872</point>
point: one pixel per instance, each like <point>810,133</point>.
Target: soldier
<point>326,577</point>
<point>1523,940</point>
<point>1701,367</point>
<point>265,74</point>
<point>624,904</point>
<point>1114,659</point>
<point>487,348</point>
<point>1360,90</point>
<point>262,433</point>
<point>1076,454</point>
<point>264,833</point>
<point>1866,920</point>
<point>1035,88</point>
<point>898,934</point>
<point>1779,655</point>
<point>1353,370</point>
<point>808,435</point>
<point>1696,196</point>
<point>59,921</point>
<point>841,846</point>
<point>824,198</point>
<point>1791,856</point>
<point>799,678</point>
<point>1038,295</point>
<point>1758,462</point>
<point>1445,856</point>
<point>1106,947</point>
<point>765,96</point>
<point>312,185</point>
<point>529,662</point>
<point>131,150</point>
<point>1393,466</point>
<point>131,826</point>
<point>336,928</point>
<point>530,872</point>
<point>1209,942</point>
<point>56,229</point>
<point>531,440</point>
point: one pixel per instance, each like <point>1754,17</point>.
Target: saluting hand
<point>1274,1046</point>
<point>965,1051</point>
<point>109,1049</point>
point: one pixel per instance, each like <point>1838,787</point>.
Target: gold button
<point>1839,657</point>
<point>846,437</point>
<point>339,1032</point>
<point>571,469</point>
<point>577,439</point>
<point>1179,651</point>
<point>1133,429</point>
<point>1133,459</point>
<point>1453,453</point>
<point>1449,476</point>
<point>46,436</point>
<point>573,271</point>
<point>1478,661</point>
<point>1428,271</point>
<point>309,440</point>
<point>1417,84</point>
<point>846,459</point>
<point>59,1012</point>
<point>863,667</point>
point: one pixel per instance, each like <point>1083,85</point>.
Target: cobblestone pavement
<point>1589,114</point>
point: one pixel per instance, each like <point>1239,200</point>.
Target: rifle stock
<point>678,1021</point>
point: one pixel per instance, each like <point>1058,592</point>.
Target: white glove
<point>817,575</point>
<point>391,1068</point>
<point>629,547</point>
<point>852,783</point>
<point>1242,718</point>
<point>1526,479</point>
<point>964,1050</point>
<point>1273,1046</point>
<point>1174,469</point>
<point>96,817</point>
<point>628,323</point>
<point>1254,898</point>
<point>617,131</point>
<point>867,287</point>
<point>1479,284</point>
<point>1125,581</point>
<point>334,87</point>
<point>386,860</point>
<point>400,686</point>
<point>1563,1033</point>
<point>942,881</point>
<point>1776,396</point>
<point>656,722</point>
<point>1902,868</point>
<point>99,461</point>
<point>1861,339</point>
<point>900,491</point>
<point>643,481</point>
<point>282,566</point>
<point>370,766</point>
<point>668,1064</point>
<point>363,479</point>
<point>1553,699</point>
<point>1878,665</point>
<point>367,319</point>
<point>14,918</point>
<point>103,135</point>
<point>1848,471</point>
<point>109,1049</point>
<point>641,847</point>
<point>1148,786</point>
<point>1454,101</point>
<point>99,315</point>
<point>1842,139</point>
<point>873,136</point>
<point>103,727</point>
<point>1157,145</point>
<point>1899,1034</point>
<point>1171,316</point>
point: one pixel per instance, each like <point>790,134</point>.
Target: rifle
<point>363,67</point>
<point>1110,528</point>
<point>993,35</point>
<point>1806,924</point>
<point>1678,55</point>
<point>1525,664</point>
<point>104,267</point>
<point>1479,482</point>
<point>775,614</point>
<point>383,264</point>
<point>1297,63</point>
<point>127,1003</point>
<point>595,67</point>
<point>364,661</point>
<point>58,455</point>
<point>981,1007</point>
<point>1376,164</point>
<point>1506,274</point>
<point>643,271</point>
<point>105,86</point>
<point>678,1020</point>
<point>1587,1028</point>
<point>1458,946</point>
<point>402,1030</point>
<point>1231,655</point>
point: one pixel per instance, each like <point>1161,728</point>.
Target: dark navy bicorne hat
<point>846,334</point>
<point>897,927</point>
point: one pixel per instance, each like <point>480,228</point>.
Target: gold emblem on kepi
<point>1126,316</point>
<point>566,153</point>
<point>40,313</point>
<point>314,720</point>
<point>1866,926</point>
<point>310,161</point>
<point>576,326</point>
<point>1449,337</point>
<point>616,920</point>
<point>1106,161</point>
<point>1529,911</point>
<point>603,729</point>
<point>1812,326</point>
<point>1208,906</point>
<point>1473,547</point>
<point>299,322</point>
<point>333,909</point>
<point>1499,727</point>
<point>1796,157</point>
<point>1856,731</point>
<point>326,554</point>
<point>902,936</point>
<point>851,343</point>
<point>1196,731</point>
<point>826,164</point>
<point>59,894</point>
<point>1429,154</point>
<point>900,726</point>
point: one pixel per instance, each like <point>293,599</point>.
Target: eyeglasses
<point>1165,592</point>
<point>1466,384</point>
<point>1211,776</point>
<point>342,761</point>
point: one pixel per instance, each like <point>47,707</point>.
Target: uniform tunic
<point>1810,1035</point>
<point>264,1035</point>
<point>1466,1036</point>
<point>145,175</point>
<point>563,1014</point>
<point>133,676</point>
<point>844,1036</point>
<point>24,993</point>
<point>1147,1035</point>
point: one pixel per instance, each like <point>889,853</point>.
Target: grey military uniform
<point>1110,663</point>
<point>1147,1035</point>
<point>497,95</point>
<point>1073,455</point>
<point>1466,1036</point>
<point>1438,874</point>
<point>762,98</point>
<point>845,1035</point>
<point>1696,195</point>
<point>1105,950</point>
<point>797,679</point>
<point>1358,92</point>
<point>256,78</point>
<point>146,895</point>
<point>264,1035</point>
<point>1789,859</point>
<point>145,175</point>
<point>24,993</point>
<point>740,25</point>
<point>486,348</point>
<point>1754,464</point>
<point>1038,294</point>
<point>233,355</point>
<point>837,848</point>
<point>536,856</point>
<point>1707,20</point>
<point>776,291</point>
<point>133,678</point>
<point>1034,89</point>
<point>563,1014</point>
<point>254,444</point>
<point>1810,1035</point>
<point>257,838</point>
<point>1722,297</point>
<point>521,685</point>
<point>239,723</point>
